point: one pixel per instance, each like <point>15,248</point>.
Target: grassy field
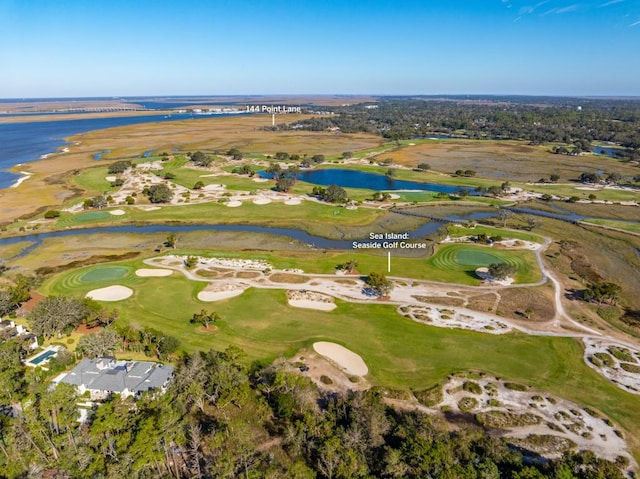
<point>399,352</point>
<point>503,160</point>
<point>631,227</point>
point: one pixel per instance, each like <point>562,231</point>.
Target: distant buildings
<point>103,377</point>
<point>10,330</point>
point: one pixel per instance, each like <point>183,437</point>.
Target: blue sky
<point>219,47</point>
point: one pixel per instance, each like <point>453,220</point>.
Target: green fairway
<point>400,353</point>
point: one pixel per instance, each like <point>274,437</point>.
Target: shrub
<point>467,403</point>
<point>472,387</point>
<point>50,214</point>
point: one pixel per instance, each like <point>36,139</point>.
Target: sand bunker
<point>110,293</point>
<point>153,273</point>
<point>234,204</point>
<point>310,300</point>
<point>150,208</point>
<point>293,201</point>
<point>220,291</point>
<point>260,180</point>
<point>261,201</point>
<point>116,212</point>
<point>110,178</point>
<point>348,360</point>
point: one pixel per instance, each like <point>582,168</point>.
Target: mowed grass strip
<point>400,353</point>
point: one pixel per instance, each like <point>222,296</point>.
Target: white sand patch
<point>393,196</point>
<point>214,187</point>
<point>236,263</point>
<point>484,275</point>
<point>260,180</point>
<point>261,201</point>
<point>22,179</point>
<point>234,204</point>
<point>568,420</point>
<point>346,359</point>
<point>310,300</point>
<point>587,188</point>
<point>110,293</point>
<point>293,201</point>
<point>153,273</point>
<point>444,317</point>
<point>150,208</point>
<point>627,380</point>
<point>117,212</point>
<point>209,296</point>
<point>110,178</point>
<point>308,304</point>
<point>217,291</point>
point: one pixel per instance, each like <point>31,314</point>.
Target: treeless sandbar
<point>234,204</point>
<point>110,293</point>
<point>117,212</point>
<point>153,273</point>
<point>348,360</point>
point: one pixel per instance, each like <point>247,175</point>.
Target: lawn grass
<point>400,353</point>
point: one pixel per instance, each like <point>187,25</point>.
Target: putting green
<point>476,258</point>
<point>107,273</point>
<point>92,216</point>
<point>467,257</point>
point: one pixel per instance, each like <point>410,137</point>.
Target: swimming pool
<point>43,357</point>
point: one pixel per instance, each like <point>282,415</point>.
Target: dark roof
<point>107,374</point>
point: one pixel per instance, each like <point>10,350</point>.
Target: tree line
<point>223,419</point>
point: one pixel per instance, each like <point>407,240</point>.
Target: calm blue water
<point>25,142</point>
<point>370,181</point>
<point>43,357</point>
<point>608,151</point>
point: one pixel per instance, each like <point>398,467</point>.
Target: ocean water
<point>28,141</point>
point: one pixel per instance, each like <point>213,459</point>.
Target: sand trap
<point>110,178</point>
<point>214,187</point>
<point>348,360</point>
<point>293,201</point>
<point>309,304</point>
<point>393,196</point>
<point>261,201</point>
<point>310,300</point>
<point>116,212</point>
<point>110,293</point>
<point>208,296</point>
<point>151,208</point>
<point>260,180</point>
<point>153,273</point>
<point>234,204</point>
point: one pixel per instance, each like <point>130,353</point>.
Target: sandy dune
<point>348,360</point>
<point>153,273</point>
<point>110,293</point>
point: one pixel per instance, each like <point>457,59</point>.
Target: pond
<point>370,181</point>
